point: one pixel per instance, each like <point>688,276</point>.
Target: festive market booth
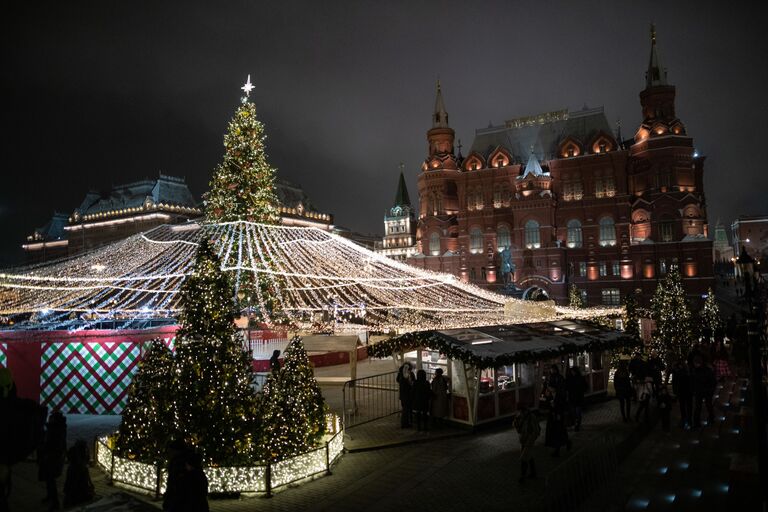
<point>494,369</point>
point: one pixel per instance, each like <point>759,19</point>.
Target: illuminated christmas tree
<point>243,188</point>
<point>632,316</point>
<point>574,297</point>
<point>148,416</point>
<point>214,400</point>
<point>674,334</point>
<point>292,408</point>
<point>711,321</point>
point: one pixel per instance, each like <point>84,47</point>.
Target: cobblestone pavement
<point>469,472</point>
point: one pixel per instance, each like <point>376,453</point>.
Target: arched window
<point>503,239</point>
<point>434,244</point>
<point>573,238</point>
<point>479,198</point>
<point>475,240</point>
<point>532,236</point>
<point>607,232</point>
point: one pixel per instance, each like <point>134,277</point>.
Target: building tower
<point>399,225</point>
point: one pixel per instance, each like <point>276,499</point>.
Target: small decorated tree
<point>632,316</point>
<point>292,408</point>
<point>574,297</point>
<point>148,417</point>
<point>674,333</point>
<point>711,321</point>
<point>215,401</point>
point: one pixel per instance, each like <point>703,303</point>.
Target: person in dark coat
<point>174,487</point>
<point>50,457</point>
<point>554,387</point>
<point>421,397</point>
<point>683,390</point>
<point>637,367</point>
<point>556,434</point>
<point>622,384</point>
<point>78,487</point>
<point>193,485</point>
<point>644,391</point>
<point>704,384</point>
<point>664,403</point>
<point>654,368</point>
<point>528,429</point>
<point>405,381</point>
<point>440,396</point>
<point>274,362</point>
<point>575,387</point>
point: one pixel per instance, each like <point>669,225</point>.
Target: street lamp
<point>755,308</point>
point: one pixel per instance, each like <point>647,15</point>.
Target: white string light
<point>313,272</point>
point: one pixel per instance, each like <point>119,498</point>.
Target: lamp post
<point>755,308</point>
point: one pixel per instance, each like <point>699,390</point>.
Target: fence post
<point>111,465</point>
<point>157,481</point>
<point>269,480</point>
<point>328,458</point>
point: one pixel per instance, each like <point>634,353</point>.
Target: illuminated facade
<point>546,201</point>
<point>141,206</point>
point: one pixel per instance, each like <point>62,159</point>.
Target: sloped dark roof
<point>544,135</point>
<point>290,195</point>
<point>168,190</point>
<point>401,197</point>
<point>53,229</point>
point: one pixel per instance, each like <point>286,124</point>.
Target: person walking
<point>654,369</point>
<point>556,434</point>
<point>173,498</point>
<point>422,393</point>
<point>664,403</point>
<point>528,429</point>
<point>194,484</point>
<point>644,392</point>
<point>704,384</point>
<point>637,367</point>
<point>683,390</point>
<point>622,385</point>
<point>78,487</point>
<point>440,394</point>
<point>405,381</point>
<point>50,458</point>
<point>722,365</point>
<point>554,387</point>
<point>576,387</point>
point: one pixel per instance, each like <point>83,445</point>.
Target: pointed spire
<point>440,117</point>
<point>460,156</point>
<point>401,198</point>
<point>533,166</point>
<point>619,138</point>
<point>656,74</point>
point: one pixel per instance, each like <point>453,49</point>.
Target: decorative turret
<point>440,137</point>
<point>656,75</point>
<point>658,98</point>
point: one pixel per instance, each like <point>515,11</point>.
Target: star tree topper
<point>247,88</point>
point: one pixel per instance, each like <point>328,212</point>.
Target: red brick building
<point>553,199</point>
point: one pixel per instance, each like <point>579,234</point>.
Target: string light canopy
<point>317,277</point>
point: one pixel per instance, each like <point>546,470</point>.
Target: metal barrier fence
<point>573,481</point>
<point>370,398</point>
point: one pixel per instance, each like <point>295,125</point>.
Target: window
<point>434,244</point>
<point>662,266</point>
<point>583,294</point>
<point>573,191</point>
<point>616,268</point>
<point>532,236</point>
<point>605,186</point>
<point>611,297</point>
<point>497,196</point>
<point>603,269</point>
<point>667,230</point>
<point>582,269</point>
<point>607,232</point>
<point>475,241</point>
<point>503,239</point>
<point>574,234</point>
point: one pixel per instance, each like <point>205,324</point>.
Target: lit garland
<point>230,479</point>
<point>434,340</point>
<point>319,274</point>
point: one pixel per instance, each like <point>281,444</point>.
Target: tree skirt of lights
<point>151,479</point>
<point>314,275</point>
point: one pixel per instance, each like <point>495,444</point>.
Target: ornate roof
<point>167,190</point>
<point>544,132</point>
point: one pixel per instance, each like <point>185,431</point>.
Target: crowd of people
<point>24,431</point>
<point>693,379</point>
<point>423,400</point>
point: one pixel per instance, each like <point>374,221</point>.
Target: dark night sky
<point>101,93</point>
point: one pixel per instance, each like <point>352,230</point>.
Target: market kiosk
<point>493,369</point>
